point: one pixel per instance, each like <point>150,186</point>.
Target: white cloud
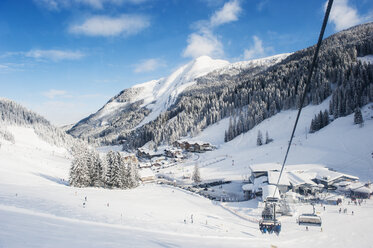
<point>344,16</point>
<point>55,55</point>
<point>52,93</point>
<point>203,43</point>
<point>111,26</point>
<point>149,65</point>
<point>11,67</point>
<point>95,4</point>
<point>262,4</point>
<point>228,13</point>
<point>257,50</point>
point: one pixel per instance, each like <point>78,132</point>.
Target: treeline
<point>113,171</point>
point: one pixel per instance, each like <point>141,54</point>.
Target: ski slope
<point>341,145</point>
<point>38,209</point>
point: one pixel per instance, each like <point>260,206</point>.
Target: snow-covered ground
<point>38,209</point>
<point>341,145</point>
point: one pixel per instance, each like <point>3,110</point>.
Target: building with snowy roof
<point>303,178</point>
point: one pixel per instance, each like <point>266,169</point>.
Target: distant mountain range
<point>205,91</point>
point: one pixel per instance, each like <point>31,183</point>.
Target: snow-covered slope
<point>341,145</point>
<point>144,102</point>
<point>38,209</point>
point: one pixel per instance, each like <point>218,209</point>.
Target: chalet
<point>194,146</point>
<point>328,178</point>
<point>356,189</point>
<point>131,158</point>
<point>147,153</point>
<point>173,152</point>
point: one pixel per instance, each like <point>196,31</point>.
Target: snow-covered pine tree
<point>131,176</point>
<point>98,169</point>
<point>259,139</point>
<point>112,169</point>
<point>358,117</point>
<point>196,176</point>
<point>79,172</point>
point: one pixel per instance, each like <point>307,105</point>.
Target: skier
<point>340,210</point>
<point>85,198</point>
<point>83,204</point>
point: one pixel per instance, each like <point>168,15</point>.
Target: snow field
<point>37,209</point>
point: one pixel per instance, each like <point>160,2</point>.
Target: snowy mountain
<point>143,103</point>
<point>13,115</point>
<point>198,95</point>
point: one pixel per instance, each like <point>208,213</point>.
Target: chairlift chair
<point>269,223</point>
<point>310,219</point>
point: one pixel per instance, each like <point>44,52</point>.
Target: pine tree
<point>196,176</point>
<point>79,171</point>
<point>268,139</point>
<point>259,139</point>
<point>113,175</point>
<point>358,117</point>
<point>98,170</point>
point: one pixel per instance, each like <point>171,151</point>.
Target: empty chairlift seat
<point>309,219</point>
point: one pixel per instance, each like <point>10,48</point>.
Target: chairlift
<point>269,223</point>
<point>310,219</point>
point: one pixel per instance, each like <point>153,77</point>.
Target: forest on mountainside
<point>249,99</point>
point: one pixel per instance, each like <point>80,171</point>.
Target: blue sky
<point>66,58</point>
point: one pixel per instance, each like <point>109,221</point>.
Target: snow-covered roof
<point>297,178</point>
<point>273,178</point>
<point>248,187</point>
<point>151,152</point>
<point>269,191</point>
<point>265,167</point>
<point>259,182</point>
<point>329,176</point>
<point>360,188</point>
<point>199,142</point>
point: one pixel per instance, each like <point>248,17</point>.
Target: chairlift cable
<point>308,83</point>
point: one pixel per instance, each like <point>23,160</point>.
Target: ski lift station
<point>303,179</point>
